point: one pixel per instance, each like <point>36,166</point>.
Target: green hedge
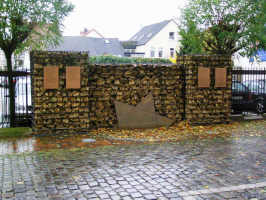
<point>126,60</point>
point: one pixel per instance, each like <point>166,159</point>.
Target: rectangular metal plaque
<point>73,77</point>
<point>204,77</point>
<point>51,77</point>
<point>220,77</point>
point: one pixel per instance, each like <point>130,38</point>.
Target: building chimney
<point>85,32</point>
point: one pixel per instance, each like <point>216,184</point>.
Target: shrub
<point>126,60</point>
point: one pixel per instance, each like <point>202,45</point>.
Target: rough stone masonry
<point>175,90</point>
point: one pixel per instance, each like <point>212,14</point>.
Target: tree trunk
<point>11,88</point>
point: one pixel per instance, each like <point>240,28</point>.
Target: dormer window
<point>149,35</point>
<point>171,35</point>
<point>140,37</point>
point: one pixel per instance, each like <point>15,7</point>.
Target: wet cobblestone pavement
<point>218,169</point>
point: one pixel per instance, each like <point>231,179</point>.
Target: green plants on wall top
<point>126,60</point>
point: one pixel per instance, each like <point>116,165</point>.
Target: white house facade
<point>21,61</point>
<point>2,60</point>
<point>160,40</point>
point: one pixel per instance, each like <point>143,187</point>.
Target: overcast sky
<point>119,18</point>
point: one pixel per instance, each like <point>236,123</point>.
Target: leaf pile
<point>184,131</point>
<point>178,132</point>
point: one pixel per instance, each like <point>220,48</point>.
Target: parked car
<point>258,89</point>
<point>256,86</point>
<point>246,99</point>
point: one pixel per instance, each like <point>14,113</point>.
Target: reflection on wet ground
<point>106,137</point>
<point>217,169</point>
<point>17,145</point>
<point>30,144</point>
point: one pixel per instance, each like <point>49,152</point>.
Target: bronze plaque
<point>51,77</point>
<point>220,77</point>
<point>204,77</point>
<point>73,77</point>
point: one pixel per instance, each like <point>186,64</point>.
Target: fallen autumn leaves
<point>179,132</point>
<point>183,130</point>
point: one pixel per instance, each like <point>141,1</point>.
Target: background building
<point>95,46</point>
<point>160,40</point>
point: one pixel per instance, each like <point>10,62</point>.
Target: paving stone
<point>115,197</point>
<point>150,197</point>
<point>127,198</point>
<point>139,187</point>
<point>145,191</point>
<point>92,196</point>
<point>131,190</point>
<point>111,182</point>
<point>222,169</point>
<point>72,187</point>
<point>104,196</point>
<point>165,191</point>
<point>189,198</point>
<point>172,195</point>
<point>123,194</point>
<point>93,184</point>
<point>136,194</point>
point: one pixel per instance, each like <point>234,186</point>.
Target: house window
<point>171,35</point>
<point>160,53</point>
<point>140,37</point>
<point>19,60</point>
<point>172,52</point>
<point>152,52</point>
<point>149,35</point>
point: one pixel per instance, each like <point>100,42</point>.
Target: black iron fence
<point>22,84</point>
<point>249,90</point>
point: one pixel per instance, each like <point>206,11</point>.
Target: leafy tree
<point>29,23</point>
<point>225,27</point>
<point>191,42</point>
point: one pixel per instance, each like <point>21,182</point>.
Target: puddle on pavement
<point>9,146</point>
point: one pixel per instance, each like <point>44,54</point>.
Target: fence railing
<point>249,90</point>
<point>22,81</point>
